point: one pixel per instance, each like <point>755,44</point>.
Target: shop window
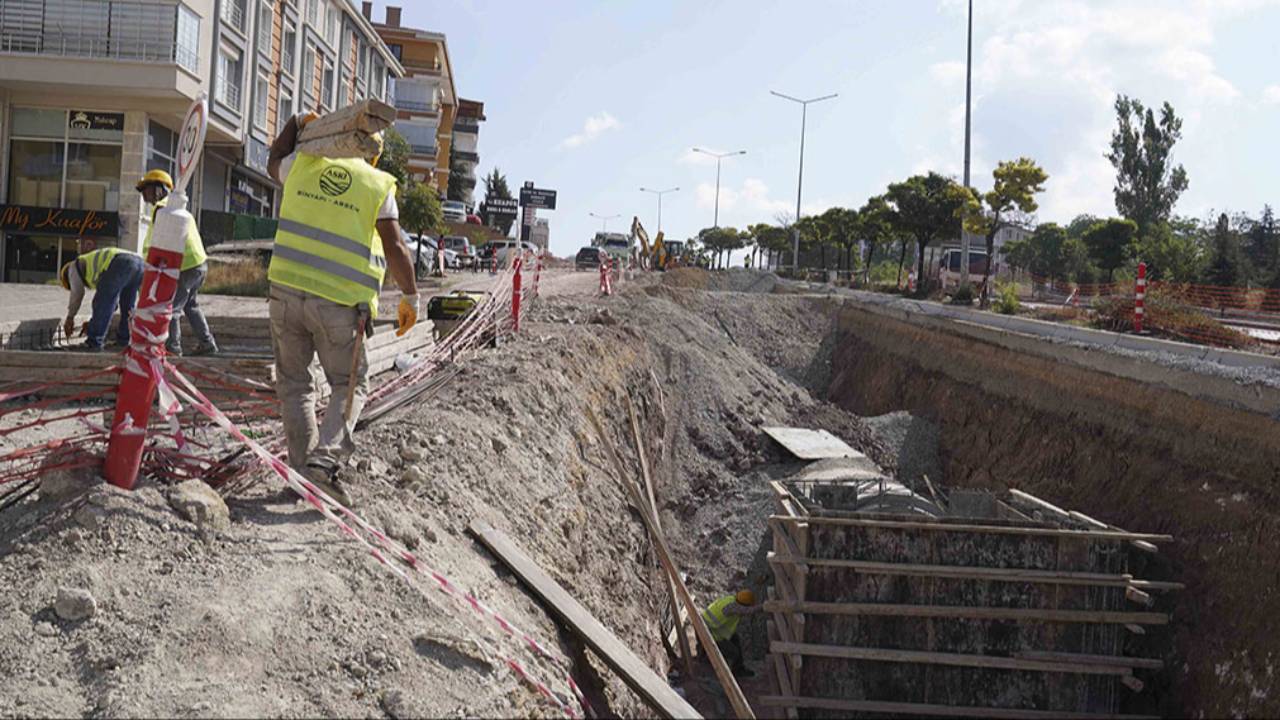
<point>35,172</point>
<point>65,159</point>
<point>93,177</point>
<point>36,258</point>
<point>34,122</point>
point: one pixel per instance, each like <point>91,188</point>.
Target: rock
<point>499,445</point>
<point>399,706</point>
<point>64,483</point>
<point>89,517</point>
<point>201,504</point>
<point>413,476</point>
<point>438,440</point>
<point>74,604</point>
<point>45,629</point>
<point>376,659</point>
<point>410,453</point>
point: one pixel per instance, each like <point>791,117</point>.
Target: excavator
<point>653,255</point>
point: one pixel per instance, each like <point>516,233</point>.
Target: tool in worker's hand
<point>407,313</point>
<point>363,328</point>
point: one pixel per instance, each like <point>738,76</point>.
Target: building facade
<point>465,153</point>
<point>425,97</point>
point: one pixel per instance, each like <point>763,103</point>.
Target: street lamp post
<point>804,113</point>
<point>604,220</point>
<point>659,193</point>
<point>968,92</point>
<point>718,157</point>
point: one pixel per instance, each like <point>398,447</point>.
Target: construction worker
<point>722,618</point>
<point>155,187</point>
<point>339,232</point>
<point>114,275</point>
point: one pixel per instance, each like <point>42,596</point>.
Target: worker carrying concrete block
<point>155,187</point>
<point>722,618</point>
<point>338,233</point>
<point>114,274</point>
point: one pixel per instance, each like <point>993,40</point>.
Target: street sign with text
<point>538,198</point>
<point>502,207</point>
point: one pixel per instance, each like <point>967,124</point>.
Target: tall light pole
<point>604,219</point>
<point>718,157</point>
<point>804,114</point>
<point>659,193</point>
<point>968,93</point>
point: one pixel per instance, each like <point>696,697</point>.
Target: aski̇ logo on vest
<point>334,181</point>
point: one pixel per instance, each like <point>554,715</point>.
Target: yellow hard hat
<point>745,597</point>
<point>64,278</point>
<point>155,176</point>
<point>377,138</point>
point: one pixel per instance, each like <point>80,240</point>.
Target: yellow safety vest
<point>193,254</point>
<point>722,626</point>
<point>326,243</point>
<point>96,262</point>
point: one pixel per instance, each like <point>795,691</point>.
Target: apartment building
<point>271,59</point>
<point>425,97</point>
<point>90,94</point>
<point>465,149</point>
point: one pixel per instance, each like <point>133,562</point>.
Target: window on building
<point>308,91</point>
<point>362,58</point>
<point>326,90</point>
<point>229,78</point>
<point>186,50</point>
<point>285,110</point>
<point>265,20</point>
<point>331,26</point>
<point>313,9</point>
<point>260,97</point>
<point>377,79</point>
<point>288,46</point>
<point>162,148</point>
<point>396,51</point>
<point>233,13</point>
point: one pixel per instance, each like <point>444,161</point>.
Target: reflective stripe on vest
<point>193,254</point>
<point>96,263</point>
<point>722,626</point>
<point>326,243</point>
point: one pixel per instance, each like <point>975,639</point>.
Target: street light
<point>718,157</point>
<point>604,219</point>
<point>659,193</point>
<point>968,91</point>
<point>804,113</point>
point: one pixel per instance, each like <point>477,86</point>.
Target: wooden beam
<point>938,658</point>
<point>367,116</point>
<point>638,676</point>
<point>902,708</point>
<point>971,613</point>
<point>965,527</point>
<point>1144,663</point>
<point>961,572</point>
<point>780,672</point>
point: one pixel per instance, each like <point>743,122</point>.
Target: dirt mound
<point>731,280</point>
<point>282,615</point>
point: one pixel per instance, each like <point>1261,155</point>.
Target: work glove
<point>407,313</point>
<point>304,118</point>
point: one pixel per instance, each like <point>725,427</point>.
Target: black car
<point>588,259</point>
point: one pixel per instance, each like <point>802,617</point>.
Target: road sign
<point>538,197</point>
<point>502,207</point>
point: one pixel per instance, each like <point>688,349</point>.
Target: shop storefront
<point>63,189</point>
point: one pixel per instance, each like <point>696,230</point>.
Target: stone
<point>45,629</point>
<point>413,476</point>
<point>410,453</point>
<point>400,707</point>
<point>201,504</point>
<point>74,604</point>
<point>64,482</point>
<point>499,445</point>
<point>437,440</point>
<point>89,517</point>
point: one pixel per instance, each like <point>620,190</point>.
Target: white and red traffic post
<point>1139,299</point>
<point>515,295</point>
<point>144,358</point>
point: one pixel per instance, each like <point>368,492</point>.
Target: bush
<point>1006,302</point>
<point>246,277</point>
<point>1169,316</point>
<point>963,295</point>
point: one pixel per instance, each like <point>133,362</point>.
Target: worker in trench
<point>114,274</point>
<point>722,618</point>
<point>338,233</point>
<point>155,187</point>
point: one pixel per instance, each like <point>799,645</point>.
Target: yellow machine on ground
<point>652,255</point>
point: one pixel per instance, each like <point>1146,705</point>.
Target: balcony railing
<point>422,149</point>
<point>228,93</point>
<point>233,14</point>
<point>467,126</point>
<point>466,156</point>
<point>417,106</point>
<point>157,51</point>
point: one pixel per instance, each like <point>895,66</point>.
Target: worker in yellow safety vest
<point>114,274</point>
<point>155,187</point>
<point>722,618</point>
<point>338,234</point>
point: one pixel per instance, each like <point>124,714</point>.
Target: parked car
<point>428,257</point>
<point>461,245</point>
<point>454,211</point>
<point>503,248</point>
<point>588,258</point>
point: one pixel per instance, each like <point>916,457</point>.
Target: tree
<point>395,158</point>
<point>1110,243</point>
<point>420,214</point>
<point>1077,266</point>
<point>842,231</point>
<point>1173,251</point>
<point>495,187</point>
<point>876,229</point>
<point>1226,263</point>
<point>1079,224</point>
<point>1264,245</point>
<point>1015,184</point>
<point>1046,243</point>
<point>720,240</point>
<point>1147,184</point>
<point>457,190</point>
<point>925,209</point>
<point>769,239</point>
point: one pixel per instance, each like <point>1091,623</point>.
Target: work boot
<point>173,351</point>
<point>203,350</point>
<point>326,479</point>
<point>88,347</point>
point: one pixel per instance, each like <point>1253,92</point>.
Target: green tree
<point>1079,224</point>
<point>457,189</point>
<point>1077,266</point>
<point>925,209</point>
<point>769,239</point>
<point>1263,245</point>
<point>1173,251</point>
<point>1226,263</point>
<point>1110,243</point>
<point>1046,244</point>
<point>1147,183</point>
<point>420,214</point>
<point>721,240</point>
<point>1015,184</point>
<point>876,229</point>
<point>495,187</point>
<point>395,158</point>
<point>842,231</point>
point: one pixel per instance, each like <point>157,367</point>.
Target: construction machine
<point>653,254</point>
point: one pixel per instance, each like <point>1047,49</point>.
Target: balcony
<point>228,93</point>
<point>423,149</point>
<point>233,14</point>
<point>156,51</point>
<point>417,106</point>
<point>466,125</point>
<point>466,156</point>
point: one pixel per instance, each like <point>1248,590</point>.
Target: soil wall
<point>1147,456</point>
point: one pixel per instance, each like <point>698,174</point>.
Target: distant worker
<point>339,231</point>
<point>155,187</point>
<point>114,274</point>
<point>722,618</point>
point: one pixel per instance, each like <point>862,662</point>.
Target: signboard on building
<point>58,221</point>
<point>537,198</point>
<point>87,120</point>
<point>502,207</point>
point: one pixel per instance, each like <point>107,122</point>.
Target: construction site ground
<point>281,615</point>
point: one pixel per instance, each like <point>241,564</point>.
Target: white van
<point>949,267</point>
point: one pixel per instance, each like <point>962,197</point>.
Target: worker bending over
<point>722,618</point>
<point>155,187</point>
<point>338,233</point>
<point>114,275</point>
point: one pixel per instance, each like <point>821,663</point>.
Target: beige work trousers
<point>304,326</point>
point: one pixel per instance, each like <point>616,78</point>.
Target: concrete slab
<point>811,444</point>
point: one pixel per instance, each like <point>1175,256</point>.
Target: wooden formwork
<point>1015,614</point>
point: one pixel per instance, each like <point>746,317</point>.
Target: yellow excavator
<point>653,255</point>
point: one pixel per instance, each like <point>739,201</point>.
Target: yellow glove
<point>303,119</point>
<point>407,313</point>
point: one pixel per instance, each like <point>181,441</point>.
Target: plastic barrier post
<point>537,275</point>
<point>440,260</point>
<point>515,295</point>
<point>1139,298</point>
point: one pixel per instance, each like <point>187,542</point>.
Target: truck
<point>617,245</point>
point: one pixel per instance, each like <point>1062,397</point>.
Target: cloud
<point>592,128</point>
<point>947,73</point>
<point>1271,95</point>
<point>752,202</point>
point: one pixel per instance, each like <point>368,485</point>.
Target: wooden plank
<point>811,444</point>
<point>961,572</point>
<point>929,710</point>
<point>938,525</point>
<point>1139,544</point>
<point>781,675</point>
<point>938,658</point>
<point>638,676</point>
<point>971,612</point>
<point>367,116</point>
<point>1144,663</point>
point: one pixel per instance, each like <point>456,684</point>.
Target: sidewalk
<point>20,302</point>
